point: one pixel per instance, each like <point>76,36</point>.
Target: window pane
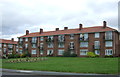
<point>97,35</point>
<point>108,43</point>
<point>83,51</point>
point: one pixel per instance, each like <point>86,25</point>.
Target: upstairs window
<point>60,45</point>
<point>10,46</point>
<point>26,39</point>
<point>71,36</point>
<point>61,38</point>
<point>84,37</point>
<point>0,45</point>
<point>108,35</point>
<point>50,37</point>
<point>26,45</point>
<point>71,45</point>
<point>21,39</point>
<point>83,44</point>
<point>97,35</point>
<point>34,39</point>
<point>4,45</point>
<point>97,44</point>
<point>108,43</point>
<point>33,45</point>
<point>41,38</point>
<point>50,45</point>
<point>41,44</point>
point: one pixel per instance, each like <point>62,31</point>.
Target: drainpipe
<point>114,43</point>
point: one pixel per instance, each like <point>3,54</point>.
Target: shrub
<point>73,55</point>
<point>91,54</point>
<point>10,56</point>
<point>108,55</point>
<point>16,56</point>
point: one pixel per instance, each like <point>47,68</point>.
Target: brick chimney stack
<point>27,32</point>
<point>80,26</point>
<point>104,24</point>
<point>41,30</point>
<point>57,29</point>
<point>12,39</point>
<point>65,28</point>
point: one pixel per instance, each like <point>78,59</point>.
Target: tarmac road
<point>24,73</point>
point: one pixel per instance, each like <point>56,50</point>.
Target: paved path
<point>44,73</point>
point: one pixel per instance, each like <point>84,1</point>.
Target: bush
<point>91,54</point>
<point>73,55</point>
<point>68,54</point>
<point>16,56</point>
<point>108,55</point>
<point>10,56</point>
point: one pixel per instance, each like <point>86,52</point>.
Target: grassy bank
<point>69,64</point>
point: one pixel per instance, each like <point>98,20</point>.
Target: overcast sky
<point>21,15</point>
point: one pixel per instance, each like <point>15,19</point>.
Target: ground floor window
<point>83,51</point>
<point>33,51</point>
<point>97,52</point>
<point>20,51</point>
<point>41,52</point>
<point>50,52</point>
<point>108,52</point>
<point>60,52</point>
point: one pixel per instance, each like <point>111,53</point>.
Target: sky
<point>20,15</point>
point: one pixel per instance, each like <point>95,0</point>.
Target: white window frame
<point>50,45</point>
<point>26,45</point>
<point>26,39</point>
<point>83,50</point>
<point>34,45</point>
<point>33,52</point>
<point>21,51</point>
<point>109,44</point>
<point>82,44</point>
<point>0,45</point>
<point>108,52</point>
<point>41,52</point>
<point>5,45</point>
<point>108,35</point>
<point>61,45</point>
<point>61,37</point>
<point>48,52</point>
<point>42,38</point>
<point>71,36</point>
<point>97,52</point>
<point>97,35</point>
<point>71,45</point>
<point>60,51</point>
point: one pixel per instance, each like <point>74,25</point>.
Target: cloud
<point>21,15</point>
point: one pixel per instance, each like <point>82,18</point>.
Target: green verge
<point>69,64</point>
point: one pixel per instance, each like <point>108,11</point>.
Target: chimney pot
<point>65,28</point>
<point>80,26</point>
<point>104,24</point>
<point>57,29</point>
<point>27,32</point>
<point>41,31</point>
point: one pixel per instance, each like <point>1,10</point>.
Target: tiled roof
<point>8,41</point>
<point>71,31</point>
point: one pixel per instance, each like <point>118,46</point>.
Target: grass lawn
<point>69,64</point>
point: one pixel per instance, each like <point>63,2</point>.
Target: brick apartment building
<point>8,46</point>
<point>102,40</point>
